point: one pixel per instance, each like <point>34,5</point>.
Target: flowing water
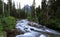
<point>31,29</point>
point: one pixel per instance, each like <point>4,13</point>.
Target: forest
<point>48,15</point>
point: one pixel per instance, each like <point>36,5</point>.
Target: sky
<point>25,2</point>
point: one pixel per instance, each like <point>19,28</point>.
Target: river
<point>32,29</point>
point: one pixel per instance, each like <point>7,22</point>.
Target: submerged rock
<point>42,35</point>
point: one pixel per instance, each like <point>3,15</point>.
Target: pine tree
<point>44,11</point>
<point>9,6</point>
<point>43,4</point>
<point>3,8</point>
<point>53,7</point>
<point>38,10</point>
<point>33,11</point>
<point>13,10</point>
<point>19,10</point>
<point>0,7</point>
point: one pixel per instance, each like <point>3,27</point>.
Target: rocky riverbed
<point>32,29</point>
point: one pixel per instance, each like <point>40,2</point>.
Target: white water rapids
<point>30,31</point>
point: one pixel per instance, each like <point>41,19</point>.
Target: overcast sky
<point>25,2</point>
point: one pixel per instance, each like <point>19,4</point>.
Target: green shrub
<point>10,21</point>
<point>7,22</point>
<point>52,23</point>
